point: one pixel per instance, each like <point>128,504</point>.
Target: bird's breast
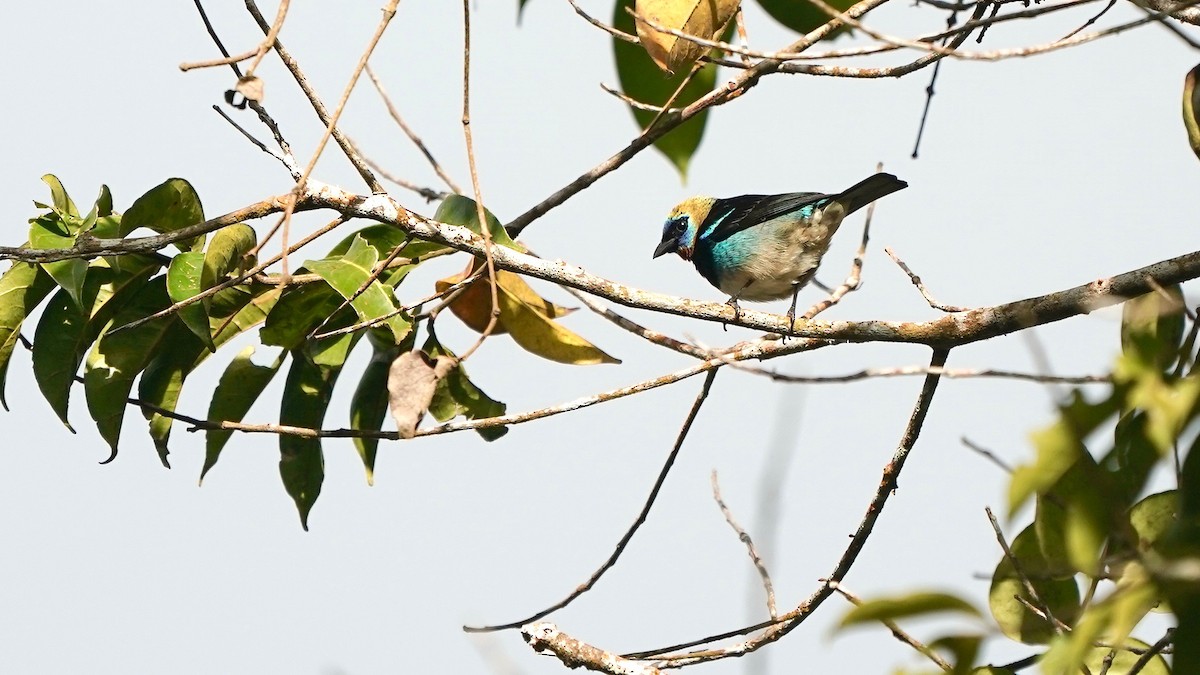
<point>764,262</point>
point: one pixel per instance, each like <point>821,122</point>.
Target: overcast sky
<point>1035,175</point>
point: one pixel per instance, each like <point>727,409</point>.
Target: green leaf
<point>1077,515</point>
<point>369,405</point>
<point>239,387</point>
<point>164,377</point>
<point>1110,619</point>
<point>117,358</point>
<point>48,232</point>
<point>460,210</point>
<point>167,207</point>
<point>642,81</point>
<point>1059,446</point>
<point>299,311</point>
<point>225,252</point>
<point>457,395</point>
<point>1061,595</point>
<point>183,283</point>
<point>162,382</point>
<point>104,202</point>
<point>65,332</point>
<point>254,305</point>
<point>964,649</point>
<point>1123,662</point>
<point>1133,456</point>
<point>381,237</point>
<point>1191,109</point>
<point>22,289</point>
<point>351,274</point>
<point>305,399</point>
<point>58,194</point>
<point>1152,327</point>
<point>803,16</point>
<point>900,607</point>
<point>1153,517</point>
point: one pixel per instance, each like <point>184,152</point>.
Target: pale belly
<point>775,260</point>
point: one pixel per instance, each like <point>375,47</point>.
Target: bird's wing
<point>734,214</point>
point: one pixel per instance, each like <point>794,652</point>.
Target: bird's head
<point>683,226</point>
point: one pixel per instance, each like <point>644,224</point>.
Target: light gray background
<point>1035,175</point>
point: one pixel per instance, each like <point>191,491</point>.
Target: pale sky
<point>1035,175</point>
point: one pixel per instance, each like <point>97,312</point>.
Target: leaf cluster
<point>150,320</point>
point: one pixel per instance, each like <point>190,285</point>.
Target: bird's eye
<point>679,224</point>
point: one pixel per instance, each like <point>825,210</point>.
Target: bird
<point>764,247</point>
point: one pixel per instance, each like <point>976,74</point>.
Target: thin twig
<point>1090,21</point>
<point>480,212</point>
<point>906,371</point>
<point>412,136</point>
<point>257,107</point>
<point>743,537</point>
<point>991,456</point>
<point>788,622</point>
<point>428,193</point>
<point>637,523</point>
<point>315,101</point>
<point>916,280</point>
<point>718,96</point>
<point>1034,599</point>
<point>287,160</point>
<point>899,633</point>
<point>1156,648</point>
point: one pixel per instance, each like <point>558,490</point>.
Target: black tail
<point>868,190</point>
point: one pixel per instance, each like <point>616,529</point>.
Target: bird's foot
<point>791,317</point>
<point>737,311</point>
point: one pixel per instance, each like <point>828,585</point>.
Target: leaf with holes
<point>457,395</point>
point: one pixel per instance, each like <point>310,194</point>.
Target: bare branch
<point>788,622</point>
<point>743,537</point>
<point>297,74</point>
<point>948,331</point>
<point>412,136</point>
<point>1034,601</point>
<point>637,523</point>
<point>546,637</point>
<point>921,286</point>
<point>899,633</point>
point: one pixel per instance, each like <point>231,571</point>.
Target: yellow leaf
<point>701,18</point>
<point>537,334</point>
<point>473,306</point>
<point>516,285</point>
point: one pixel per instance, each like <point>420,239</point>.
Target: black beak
<point>666,246</point>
